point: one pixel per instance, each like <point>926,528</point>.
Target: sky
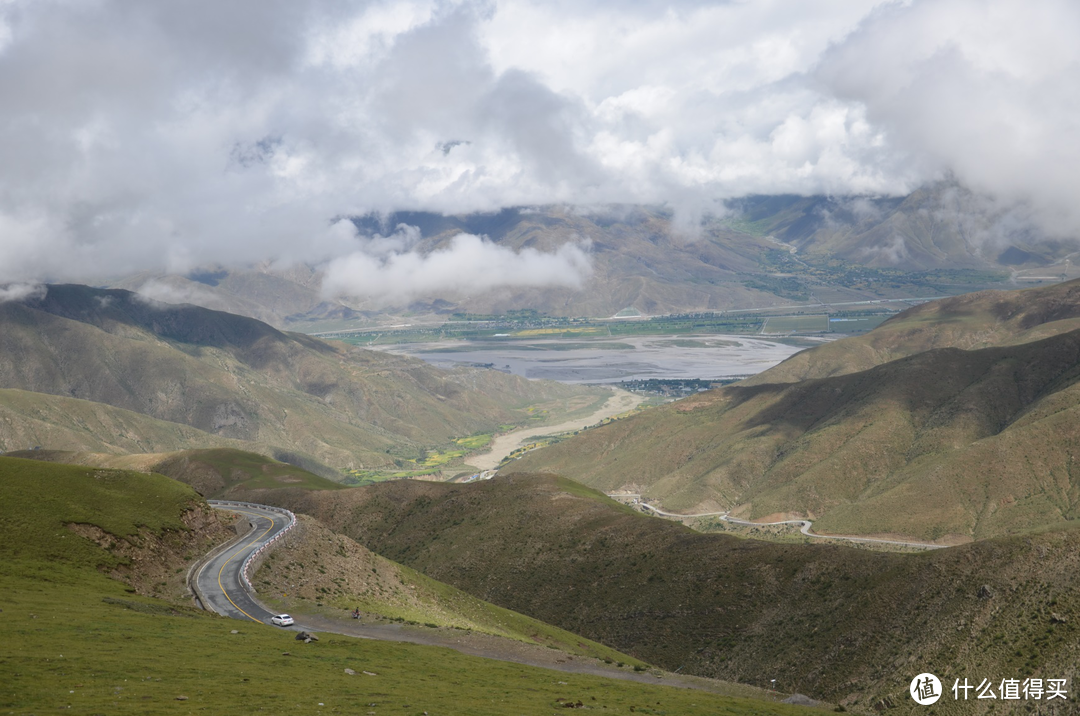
<point>168,135</point>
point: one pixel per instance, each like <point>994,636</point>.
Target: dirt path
<point>493,647</point>
<point>804,525</point>
<point>503,445</point>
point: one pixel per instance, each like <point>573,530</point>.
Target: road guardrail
<point>247,562</point>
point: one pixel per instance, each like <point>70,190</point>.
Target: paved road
<point>220,583</point>
<point>219,580</point>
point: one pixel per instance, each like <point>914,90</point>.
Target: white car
<point>281,620</point>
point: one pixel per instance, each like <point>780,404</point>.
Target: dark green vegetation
<point>328,575</point>
<point>942,444</point>
<point>74,638</point>
<point>834,622</point>
<point>221,380</point>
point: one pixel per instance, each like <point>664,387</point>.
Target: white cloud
<point>387,268</point>
<point>986,91</point>
<point>21,291</point>
<point>168,135</point>
<point>178,292</point>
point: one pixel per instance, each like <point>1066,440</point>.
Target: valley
<point>155,377</point>
<point>964,431</point>
<point>744,591</point>
<point>611,362</point>
<point>829,460</point>
<point>621,403</point>
<point>507,357</point>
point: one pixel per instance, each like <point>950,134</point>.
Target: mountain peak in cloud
<point>136,136</point>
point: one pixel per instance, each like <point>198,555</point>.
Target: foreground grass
<point>77,640</point>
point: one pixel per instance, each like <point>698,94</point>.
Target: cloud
<point>178,291</point>
<point>21,291</point>
<point>388,268</point>
<point>985,92</point>
<point>148,136</point>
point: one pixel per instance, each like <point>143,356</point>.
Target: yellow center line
<point>222,586</point>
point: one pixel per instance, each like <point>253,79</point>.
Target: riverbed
<point>611,360</point>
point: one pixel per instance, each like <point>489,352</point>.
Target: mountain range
<point>756,252</point>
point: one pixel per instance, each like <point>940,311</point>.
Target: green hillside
<point>213,473</point>
<point>838,623</point>
<point>240,380</point>
<point>75,639</point>
<point>41,500</point>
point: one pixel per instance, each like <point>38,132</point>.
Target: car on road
<point>282,620</point>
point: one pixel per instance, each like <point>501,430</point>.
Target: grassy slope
<point>30,419</point>
<point>39,500</point>
<point>240,379</point>
<point>975,320</point>
<point>327,574</point>
<point>74,638</point>
<point>213,473</point>
<point>317,569</point>
<point>830,621</point>
<point>944,443</point>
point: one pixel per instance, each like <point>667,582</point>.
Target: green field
<point>857,324</point>
<point>88,646</point>
<point>792,324</point>
<point>573,333</point>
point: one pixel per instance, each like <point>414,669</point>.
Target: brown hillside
<point>942,444</point>
<point>237,378</point>
<point>833,622</point>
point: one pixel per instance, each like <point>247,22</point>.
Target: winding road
<point>221,586</point>
<point>805,526</point>
<point>220,582</point>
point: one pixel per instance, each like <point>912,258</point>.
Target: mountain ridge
<point>239,379</point>
<point>837,622</point>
